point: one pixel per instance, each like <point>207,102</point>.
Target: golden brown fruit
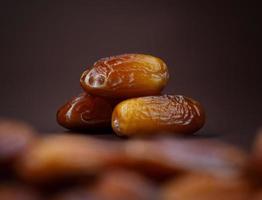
<point>206,187</point>
<point>85,111</point>
<point>127,75</point>
<point>157,114</point>
<point>15,136</point>
<point>59,156</point>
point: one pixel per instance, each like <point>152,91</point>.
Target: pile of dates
<point>65,166</point>
<point>125,91</point>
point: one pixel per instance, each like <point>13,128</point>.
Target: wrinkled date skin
<point>153,114</point>
<point>124,76</point>
<point>86,111</point>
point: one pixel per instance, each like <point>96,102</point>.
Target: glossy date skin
<point>85,111</point>
<point>158,114</point>
<point>125,76</point>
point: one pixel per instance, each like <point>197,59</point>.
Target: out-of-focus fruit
<point>59,156</point>
<point>206,187</point>
<point>163,158</point>
<point>15,136</point>
<point>17,192</point>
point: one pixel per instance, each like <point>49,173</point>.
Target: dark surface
<point>212,49</point>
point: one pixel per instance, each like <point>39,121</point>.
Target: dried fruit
<point>254,166</point>
<point>15,136</point>
<point>127,75</point>
<point>206,187</point>
<point>154,114</point>
<point>85,111</point>
<point>114,185</point>
<point>60,156</point>
<point>17,192</point>
<point>162,158</point>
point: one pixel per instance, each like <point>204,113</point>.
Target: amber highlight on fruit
<point>154,114</point>
<point>127,75</point>
<point>85,111</point>
<point>59,156</point>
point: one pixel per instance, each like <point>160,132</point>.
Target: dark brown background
<point>212,49</point>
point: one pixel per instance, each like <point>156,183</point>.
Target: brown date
<point>13,191</point>
<point>206,187</point>
<point>154,114</point>
<point>127,75</point>
<point>257,195</point>
<point>15,137</point>
<point>62,156</point>
<point>161,158</point>
<point>255,163</point>
<point>123,184</point>
<point>113,185</point>
<point>85,111</point>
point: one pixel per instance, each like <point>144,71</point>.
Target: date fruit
<point>124,76</point>
<point>154,114</point>
<point>165,157</point>
<point>113,185</point>
<point>12,191</point>
<point>85,111</point>
<point>62,156</point>
<point>254,166</point>
<point>123,184</point>
<point>206,187</point>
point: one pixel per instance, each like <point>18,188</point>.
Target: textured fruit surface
<point>85,111</point>
<point>127,75</point>
<point>154,114</point>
